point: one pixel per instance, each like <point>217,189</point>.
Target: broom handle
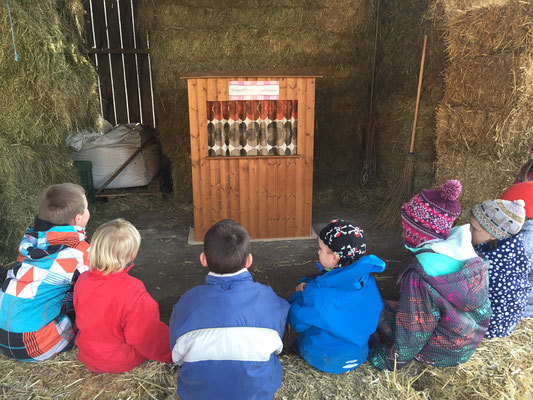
<point>420,76</point>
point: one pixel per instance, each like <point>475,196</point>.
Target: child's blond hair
<point>59,204</point>
<point>113,246</point>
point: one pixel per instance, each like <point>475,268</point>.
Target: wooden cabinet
<point>251,153</point>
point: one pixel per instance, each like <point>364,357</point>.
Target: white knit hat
<point>501,218</point>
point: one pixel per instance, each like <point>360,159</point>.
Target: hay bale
<point>51,90</point>
<point>489,28</point>
<point>487,82</point>
<point>333,38</point>
<point>484,128</point>
<point>483,178</point>
<point>25,171</point>
<point>64,377</point>
<point>499,369</point>
<point>467,130</point>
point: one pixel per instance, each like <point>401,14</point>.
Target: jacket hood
<point>458,245</point>
<point>528,226</point>
<point>38,243</point>
<point>352,276</point>
<point>466,289</point>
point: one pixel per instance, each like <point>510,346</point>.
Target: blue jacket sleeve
<point>298,313</point>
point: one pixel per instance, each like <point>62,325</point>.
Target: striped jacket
<point>226,335</point>
<point>37,291</point>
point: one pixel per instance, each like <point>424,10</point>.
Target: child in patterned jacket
<point>496,234</point>
<point>443,311</point>
<point>524,191</point>
<point>36,312</point>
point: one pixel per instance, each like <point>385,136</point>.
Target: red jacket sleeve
<point>144,330</point>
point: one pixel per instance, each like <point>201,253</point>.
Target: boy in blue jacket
<point>336,312</point>
<point>226,335</point>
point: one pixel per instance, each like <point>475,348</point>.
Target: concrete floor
<point>169,266</point>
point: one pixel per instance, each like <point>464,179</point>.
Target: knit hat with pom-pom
<point>431,213</point>
<point>501,218</point>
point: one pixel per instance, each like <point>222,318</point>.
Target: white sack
<point>109,151</point>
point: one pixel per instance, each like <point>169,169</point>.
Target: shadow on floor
<point>169,267</point>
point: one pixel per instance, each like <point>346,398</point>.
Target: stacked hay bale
<point>484,122</point>
<point>404,24</point>
<point>331,37</point>
<point>51,90</point>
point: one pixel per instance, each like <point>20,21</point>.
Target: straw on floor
<point>499,369</point>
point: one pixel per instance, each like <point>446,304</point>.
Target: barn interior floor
<point>169,266</point>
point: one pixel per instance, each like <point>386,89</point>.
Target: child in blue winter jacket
<point>336,312</point>
<point>226,335</point>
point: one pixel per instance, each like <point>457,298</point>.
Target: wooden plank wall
<point>271,196</point>
<point>121,57</point>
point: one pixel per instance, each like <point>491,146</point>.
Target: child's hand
<point>300,287</point>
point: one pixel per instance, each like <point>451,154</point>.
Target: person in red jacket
<point>118,321</point>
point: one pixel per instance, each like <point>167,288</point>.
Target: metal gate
<point>121,56</point>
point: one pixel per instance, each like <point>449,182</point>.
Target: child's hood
<point>466,289</point>
<point>45,239</point>
<point>351,277</point>
<point>528,226</point>
<point>458,245</point>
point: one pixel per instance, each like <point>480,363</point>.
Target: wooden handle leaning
<point>420,76</point>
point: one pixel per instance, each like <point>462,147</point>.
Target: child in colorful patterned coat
<point>36,313</point>
<point>118,321</point>
<point>524,191</point>
<point>336,312</point>
<point>443,311</point>
<point>496,234</point>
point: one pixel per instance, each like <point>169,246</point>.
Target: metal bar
<point>96,61</point>
<point>137,61</point>
<point>117,51</point>
<point>123,63</point>
<point>110,65</point>
<point>150,70</point>
<point>125,164</point>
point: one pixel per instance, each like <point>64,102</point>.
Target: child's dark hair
<point>226,247</point>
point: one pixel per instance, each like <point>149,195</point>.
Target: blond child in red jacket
<point>118,320</point>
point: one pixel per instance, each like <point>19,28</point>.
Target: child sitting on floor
<point>118,321</point>
<point>226,335</point>
<point>443,311</point>
<point>496,235</point>
<point>524,191</point>
<point>336,312</point>
<point>36,314</point>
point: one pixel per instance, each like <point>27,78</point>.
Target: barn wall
<point>403,26</point>
<point>332,37</point>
